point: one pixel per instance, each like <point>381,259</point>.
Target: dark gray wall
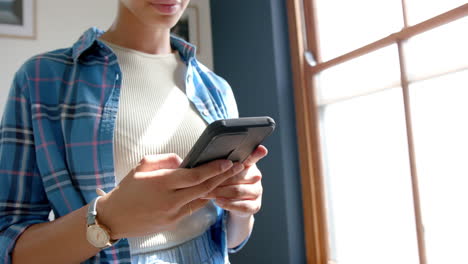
<point>251,51</point>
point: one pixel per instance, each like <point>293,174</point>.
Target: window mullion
<point>405,13</point>
<point>412,156</point>
<point>404,34</point>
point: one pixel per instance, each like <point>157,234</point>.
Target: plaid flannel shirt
<point>57,130</point>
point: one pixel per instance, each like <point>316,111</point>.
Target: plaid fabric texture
<point>57,129</point>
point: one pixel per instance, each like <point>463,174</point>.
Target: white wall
<point>203,25</point>
<point>61,22</point>
<point>59,25</point>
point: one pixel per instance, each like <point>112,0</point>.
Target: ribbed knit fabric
<point>156,117</point>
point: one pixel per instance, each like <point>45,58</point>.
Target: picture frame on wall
<point>17,18</point>
<point>195,27</point>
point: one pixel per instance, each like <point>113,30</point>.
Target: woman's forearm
<point>60,241</point>
<point>238,229</point>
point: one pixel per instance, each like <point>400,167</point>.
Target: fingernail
<point>226,165</point>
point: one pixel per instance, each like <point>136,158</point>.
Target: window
<point>381,100</point>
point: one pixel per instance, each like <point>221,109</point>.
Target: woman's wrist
<point>242,221</point>
<point>243,217</point>
<point>105,216</point>
<point>239,228</point>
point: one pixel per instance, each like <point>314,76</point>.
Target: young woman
<point>86,133</point>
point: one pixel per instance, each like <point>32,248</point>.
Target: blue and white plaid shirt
<point>57,130</point>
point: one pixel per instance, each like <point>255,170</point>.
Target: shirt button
<point>205,112</point>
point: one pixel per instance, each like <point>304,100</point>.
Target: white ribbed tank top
<point>155,117</point>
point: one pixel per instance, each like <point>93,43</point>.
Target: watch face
<point>97,236</point>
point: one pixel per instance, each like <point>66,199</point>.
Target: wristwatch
<point>97,234</point>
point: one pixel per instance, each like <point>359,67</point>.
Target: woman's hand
<point>157,193</point>
<point>241,195</point>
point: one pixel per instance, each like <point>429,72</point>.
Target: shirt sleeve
<point>23,201</point>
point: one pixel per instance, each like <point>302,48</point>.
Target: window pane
<point>420,10</point>
<point>371,72</point>
<point>439,50</point>
<point>439,108</point>
<point>369,200</point>
<point>346,25</point>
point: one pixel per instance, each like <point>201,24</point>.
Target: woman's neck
<point>128,31</point>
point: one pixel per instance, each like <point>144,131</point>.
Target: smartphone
<point>232,139</point>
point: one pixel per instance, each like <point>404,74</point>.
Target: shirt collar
<point>90,37</point>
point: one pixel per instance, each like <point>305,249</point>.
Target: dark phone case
<point>232,139</point>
